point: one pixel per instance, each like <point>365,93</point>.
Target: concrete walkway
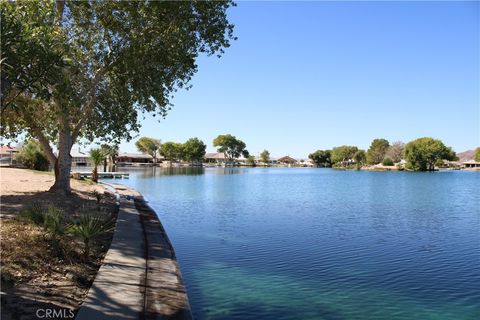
<point>140,277</point>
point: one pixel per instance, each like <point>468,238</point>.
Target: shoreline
<point>144,258</point>
<point>156,274</point>
<point>156,265</point>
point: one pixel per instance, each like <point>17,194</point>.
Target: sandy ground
<point>21,186</point>
<point>20,181</point>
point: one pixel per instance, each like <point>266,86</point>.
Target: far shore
<point>378,167</point>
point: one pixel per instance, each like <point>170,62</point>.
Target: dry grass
<point>23,251</point>
<point>41,269</point>
<point>29,252</point>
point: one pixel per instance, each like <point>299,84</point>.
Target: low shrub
<point>90,227</point>
<point>32,156</point>
<point>34,213</point>
<point>344,167</point>
<point>54,220</point>
<point>387,162</point>
<point>49,217</point>
<point>440,164</point>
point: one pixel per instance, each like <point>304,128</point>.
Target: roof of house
<point>215,155</point>
<point>259,158</point>
<point>79,154</point>
<point>286,159</point>
<point>470,162</point>
<point>76,153</point>
<point>134,155</point>
<point>7,149</point>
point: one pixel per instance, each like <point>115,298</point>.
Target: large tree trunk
<point>63,164</point>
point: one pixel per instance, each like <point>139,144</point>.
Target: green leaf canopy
<point>73,69</point>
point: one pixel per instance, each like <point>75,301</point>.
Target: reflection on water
<point>168,171</point>
<point>146,171</point>
<point>288,243</point>
<point>149,171</point>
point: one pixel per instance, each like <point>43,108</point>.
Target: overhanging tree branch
<point>92,95</point>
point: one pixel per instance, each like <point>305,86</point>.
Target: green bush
<point>32,156</point>
<point>54,220</point>
<point>344,167</point>
<point>90,227</point>
<point>48,217</point>
<point>387,162</point>
<point>440,164</point>
<point>34,213</point>
<point>251,161</point>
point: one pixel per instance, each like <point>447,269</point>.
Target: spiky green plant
<point>49,217</point>
<point>90,227</point>
<point>54,220</point>
<point>97,157</point>
<point>34,213</point>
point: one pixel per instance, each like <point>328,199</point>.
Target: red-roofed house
<point>7,154</point>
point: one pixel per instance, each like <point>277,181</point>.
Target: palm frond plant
<point>97,156</point>
<point>110,152</point>
<point>34,213</point>
<point>50,218</point>
<point>89,227</point>
<point>53,220</point>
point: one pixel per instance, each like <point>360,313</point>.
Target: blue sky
<point>313,75</point>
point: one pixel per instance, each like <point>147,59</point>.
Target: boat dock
<point>113,175</point>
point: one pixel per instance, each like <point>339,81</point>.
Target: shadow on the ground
<point>25,302</point>
<point>56,283</point>
<point>11,205</point>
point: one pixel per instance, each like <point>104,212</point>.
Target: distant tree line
<point>193,150</point>
<point>422,154</point>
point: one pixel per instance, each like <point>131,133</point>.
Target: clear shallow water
<point>322,244</point>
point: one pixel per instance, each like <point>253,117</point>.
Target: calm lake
<point>288,243</point>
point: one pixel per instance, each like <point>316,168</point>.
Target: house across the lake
<point>471,164</point>
<point>80,158</point>
<point>133,158</point>
<point>306,163</point>
<point>287,160</point>
<point>215,157</point>
<point>7,154</point>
